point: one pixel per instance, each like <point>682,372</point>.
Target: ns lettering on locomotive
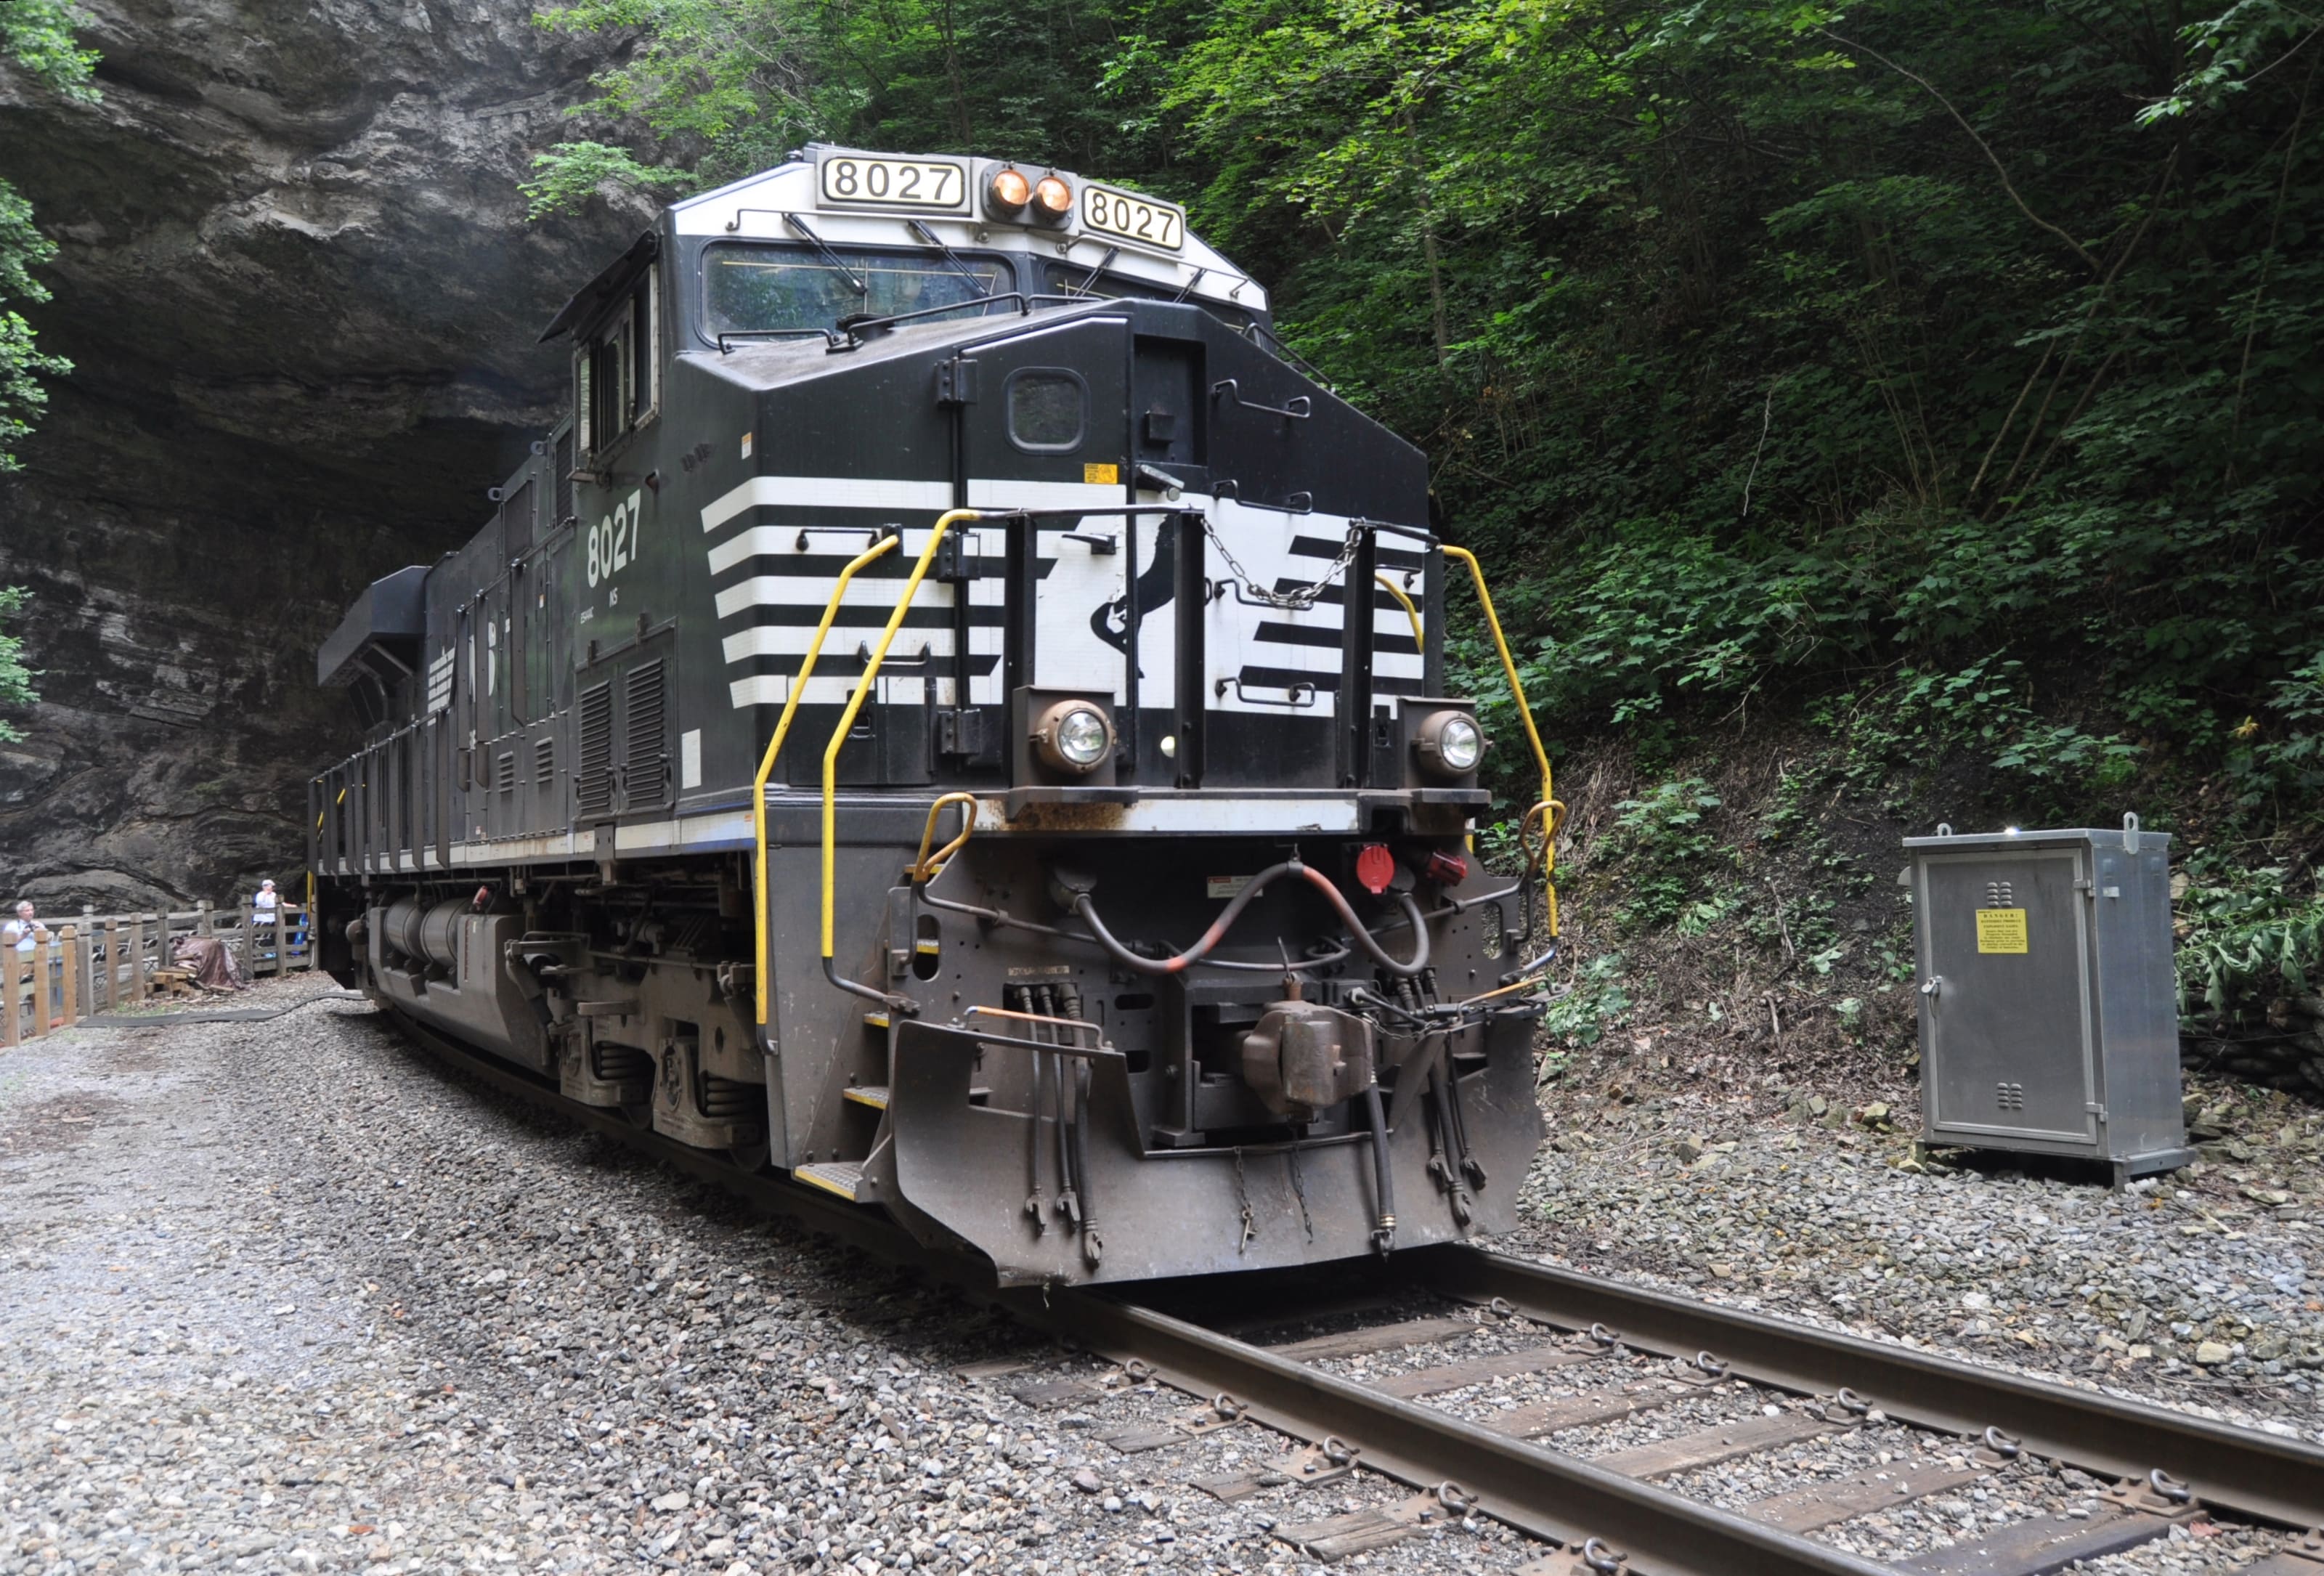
<point>956,715</point>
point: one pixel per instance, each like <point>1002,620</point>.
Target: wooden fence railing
<point>102,962</point>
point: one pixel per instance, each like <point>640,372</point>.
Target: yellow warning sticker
<point>1101,476</point>
<point>2001,930</point>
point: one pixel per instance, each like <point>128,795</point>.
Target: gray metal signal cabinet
<point>2049,1013</point>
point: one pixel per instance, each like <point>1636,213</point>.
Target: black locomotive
<point>907,729</point>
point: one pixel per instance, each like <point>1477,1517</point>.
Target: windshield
<point>749,286</point>
<point>1072,279</point>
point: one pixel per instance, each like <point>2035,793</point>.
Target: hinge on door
<point>2096,1109</point>
<point>2085,886</point>
<point>957,382</point>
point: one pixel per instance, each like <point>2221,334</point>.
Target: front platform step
<point>844,1177</point>
<point>875,1095</point>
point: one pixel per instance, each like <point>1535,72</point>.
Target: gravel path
<point>288,1296</point>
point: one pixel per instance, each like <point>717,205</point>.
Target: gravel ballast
<point>2198,1289</point>
<point>289,1295</point>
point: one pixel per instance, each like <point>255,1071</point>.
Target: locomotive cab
<point>957,716</point>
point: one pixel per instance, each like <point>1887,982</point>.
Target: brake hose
<point>1233,911</point>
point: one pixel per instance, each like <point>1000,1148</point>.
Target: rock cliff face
<point>302,299</point>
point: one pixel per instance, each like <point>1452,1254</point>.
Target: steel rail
<point>1550,1494</point>
<point>2253,1475</point>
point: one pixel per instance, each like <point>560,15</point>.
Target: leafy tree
<point>36,37</point>
<point>15,678</point>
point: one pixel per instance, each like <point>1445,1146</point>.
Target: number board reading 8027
<point>924,183</point>
<point>1143,220</point>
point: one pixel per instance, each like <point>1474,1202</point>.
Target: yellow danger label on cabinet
<point>1101,476</point>
<point>2001,930</point>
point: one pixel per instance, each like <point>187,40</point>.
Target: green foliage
<point>15,678</point>
<point>1664,846</point>
<point>1597,1002</point>
<point>570,173</point>
<point>1894,731</point>
<point>2246,939</point>
<point>726,87</point>
<point>36,36</point>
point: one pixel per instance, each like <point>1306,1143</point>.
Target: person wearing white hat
<point>262,907</point>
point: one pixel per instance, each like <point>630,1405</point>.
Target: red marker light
<point>1375,868</point>
<point>1447,867</point>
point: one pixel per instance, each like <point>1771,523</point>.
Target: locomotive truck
<point>955,713</point>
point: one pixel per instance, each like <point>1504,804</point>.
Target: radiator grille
<point>593,772</point>
<point>646,742</point>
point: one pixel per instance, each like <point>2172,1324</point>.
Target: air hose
<point>1233,911</point>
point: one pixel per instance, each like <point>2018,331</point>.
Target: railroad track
<point>1632,1350</point>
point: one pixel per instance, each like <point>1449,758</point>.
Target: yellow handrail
<point>1410,612</point>
<point>774,748</point>
<point>924,870</point>
<point>1525,715</point>
<point>944,522</point>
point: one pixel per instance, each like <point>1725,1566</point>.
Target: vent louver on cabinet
<point>564,477</point>
<point>646,744</point>
<point>593,771</point>
<point>544,761</point>
<point>506,772</point>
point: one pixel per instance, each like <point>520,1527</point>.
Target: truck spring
<point>724,1098</point>
<point>620,1063</point>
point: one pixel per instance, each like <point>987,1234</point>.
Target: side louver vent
<point>544,761</point>
<point>564,476</point>
<point>506,772</point>
<point>645,756</point>
<point>593,772</point>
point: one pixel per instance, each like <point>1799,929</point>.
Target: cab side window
<point>616,374</point>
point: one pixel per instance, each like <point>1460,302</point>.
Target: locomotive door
<point>1048,428</point>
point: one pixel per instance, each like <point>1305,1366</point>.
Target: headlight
<point>1007,193</point>
<point>1053,200</point>
<point>1459,743</point>
<point>1073,736</point>
<point>1449,743</point>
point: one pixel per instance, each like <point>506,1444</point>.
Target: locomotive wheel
<point>751,1159</point>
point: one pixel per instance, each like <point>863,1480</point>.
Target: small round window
<point>1048,409</point>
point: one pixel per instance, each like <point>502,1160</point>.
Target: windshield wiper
<point>983,286</point>
<point>815,241</point>
<point>1089,275</point>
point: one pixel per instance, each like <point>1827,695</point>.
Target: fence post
<point>205,921</point>
<point>246,939</point>
<point>41,988</point>
<point>112,962</point>
<point>85,980</point>
<point>11,969</point>
<point>70,1006</point>
<point>139,984</point>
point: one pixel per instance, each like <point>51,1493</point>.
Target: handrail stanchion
<point>774,748</point>
<point>944,522</point>
<point>1533,735</point>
